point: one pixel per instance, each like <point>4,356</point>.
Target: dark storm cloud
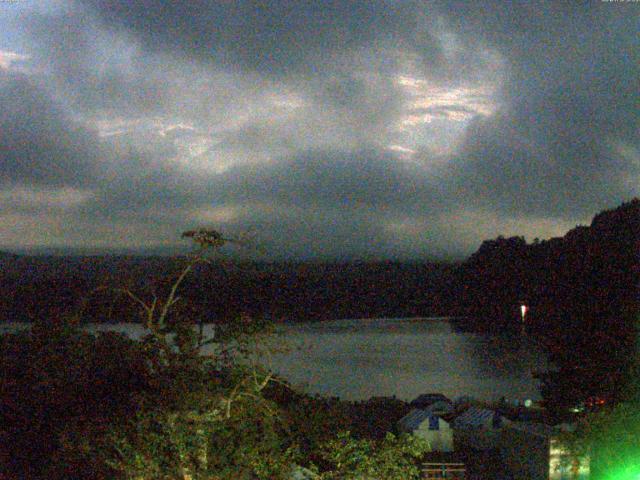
<point>272,38</point>
<point>160,57</point>
<point>323,232</point>
<point>319,203</point>
<point>571,93</point>
<point>374,103</point>
<point>93,70</point>
<point>348,181</point>
<point>39,144</point>
<point>329,128</point>
<point>367,180</point>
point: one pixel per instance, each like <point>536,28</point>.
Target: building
<point>440,408</point>
<point>429,426</point>
<point>478,428</point>
<point>425,400</point>
<point>301,473</point>
<point>530,451</point>
<point>519,450</point>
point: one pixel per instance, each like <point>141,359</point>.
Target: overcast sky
<point>322,129</point>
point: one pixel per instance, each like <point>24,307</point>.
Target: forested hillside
<point>582,291</point>
<point>281,291</point>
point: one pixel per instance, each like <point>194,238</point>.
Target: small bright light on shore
<point>523,311</point>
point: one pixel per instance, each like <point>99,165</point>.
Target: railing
<point>437,471</point>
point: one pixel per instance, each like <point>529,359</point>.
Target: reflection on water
<point>358,359</point>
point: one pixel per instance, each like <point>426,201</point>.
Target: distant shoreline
<point>4,325</point>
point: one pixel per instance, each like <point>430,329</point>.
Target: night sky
<point>323,129</point>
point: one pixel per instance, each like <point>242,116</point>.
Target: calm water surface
<point>358,359</point>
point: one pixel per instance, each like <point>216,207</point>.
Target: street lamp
<point>523,314</point>
<point>523,311</point>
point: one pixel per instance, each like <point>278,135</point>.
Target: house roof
<point>475,417</point>
<point>301,473</point>
<point>427,399</point>
<point>440,405</point>
<point>412,420</point>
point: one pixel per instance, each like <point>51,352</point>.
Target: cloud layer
<point>327,129</point>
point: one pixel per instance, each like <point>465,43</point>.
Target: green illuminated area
<point>613,437</point>
<point>624,473</point>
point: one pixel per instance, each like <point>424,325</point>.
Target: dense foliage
<point>58,382</point>
<point>102,406</point>
<point>582,294</point>
<point>390,459</point>
<point>610,438</point>
<point>76,405</point>
<point>285,291</point>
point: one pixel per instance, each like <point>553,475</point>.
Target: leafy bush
<point>346,458</point>
<point>57,381</point>
<point>92,407</point>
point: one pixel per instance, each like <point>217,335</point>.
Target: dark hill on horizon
<point>583,295</point>
<point>487,288</point>
<point>592,270</point>
<point>284,291</point>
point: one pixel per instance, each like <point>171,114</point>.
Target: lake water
<point>358,359</point>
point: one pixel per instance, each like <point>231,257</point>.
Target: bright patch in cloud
<point>286,101</point>
<point>12,60</point>
<point>109,127</point>
<point>216,215</point>
<point>401,149</point>
<point>429,102</point>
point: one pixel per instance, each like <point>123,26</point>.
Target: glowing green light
<point>624,473</point>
